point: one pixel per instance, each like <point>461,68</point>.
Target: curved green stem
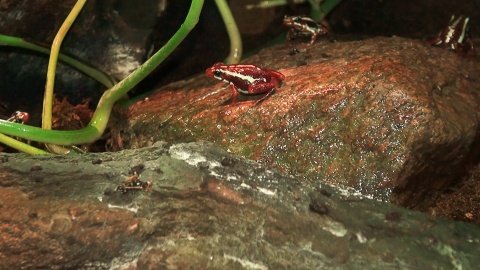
<point>52,64</point>
<point>52,68</point>
<point>100,118</point>
<point>233,33</point>
<point>95,74</point>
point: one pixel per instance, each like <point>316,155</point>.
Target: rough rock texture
<point>206,210</point>
<point>379,115</point>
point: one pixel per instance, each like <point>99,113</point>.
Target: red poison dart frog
<point>455,36</point>
<point>19,117</point>
<point>247,79</point>
<point>301,26</point>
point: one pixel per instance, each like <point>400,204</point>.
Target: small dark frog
<point>133,183</point>
<point>301,26</point>
<point>455,36</point>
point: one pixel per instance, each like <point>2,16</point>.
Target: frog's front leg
<point>314,37</point>
<point>234,93</point>
<point>291,34</point>
<point>463,48</point>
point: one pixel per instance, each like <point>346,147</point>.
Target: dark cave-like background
<point>117,35</point>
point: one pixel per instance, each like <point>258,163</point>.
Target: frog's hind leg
<point>268,94</point>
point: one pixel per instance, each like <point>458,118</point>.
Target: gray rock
<point>206,209</point>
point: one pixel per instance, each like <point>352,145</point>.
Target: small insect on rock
<point>247,79</point>
<point>301,26</point>
<point>455,36</point>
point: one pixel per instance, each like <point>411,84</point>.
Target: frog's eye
<point>217,73</point>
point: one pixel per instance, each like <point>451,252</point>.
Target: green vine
<point>233,33</point>
<point>52,67</point>
<point>115,92</point>
<point>99,121</point>
<point>95,74</point>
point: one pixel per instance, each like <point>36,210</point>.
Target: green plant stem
<point>52,68</point>
<point>233,32</point>
<point>21,146</point>
<point>100,118</point>
<point>315,10</point>
<point>52,64</point>
<point>95,74</point>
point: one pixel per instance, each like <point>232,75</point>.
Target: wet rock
<point>394,118</point>
<point>203,212</point>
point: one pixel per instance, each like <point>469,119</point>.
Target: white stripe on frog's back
<point>241,90</point>
<point>464,30</point>
<point>307,24</point>
<point>452,29</point>
<point>247,78</point>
